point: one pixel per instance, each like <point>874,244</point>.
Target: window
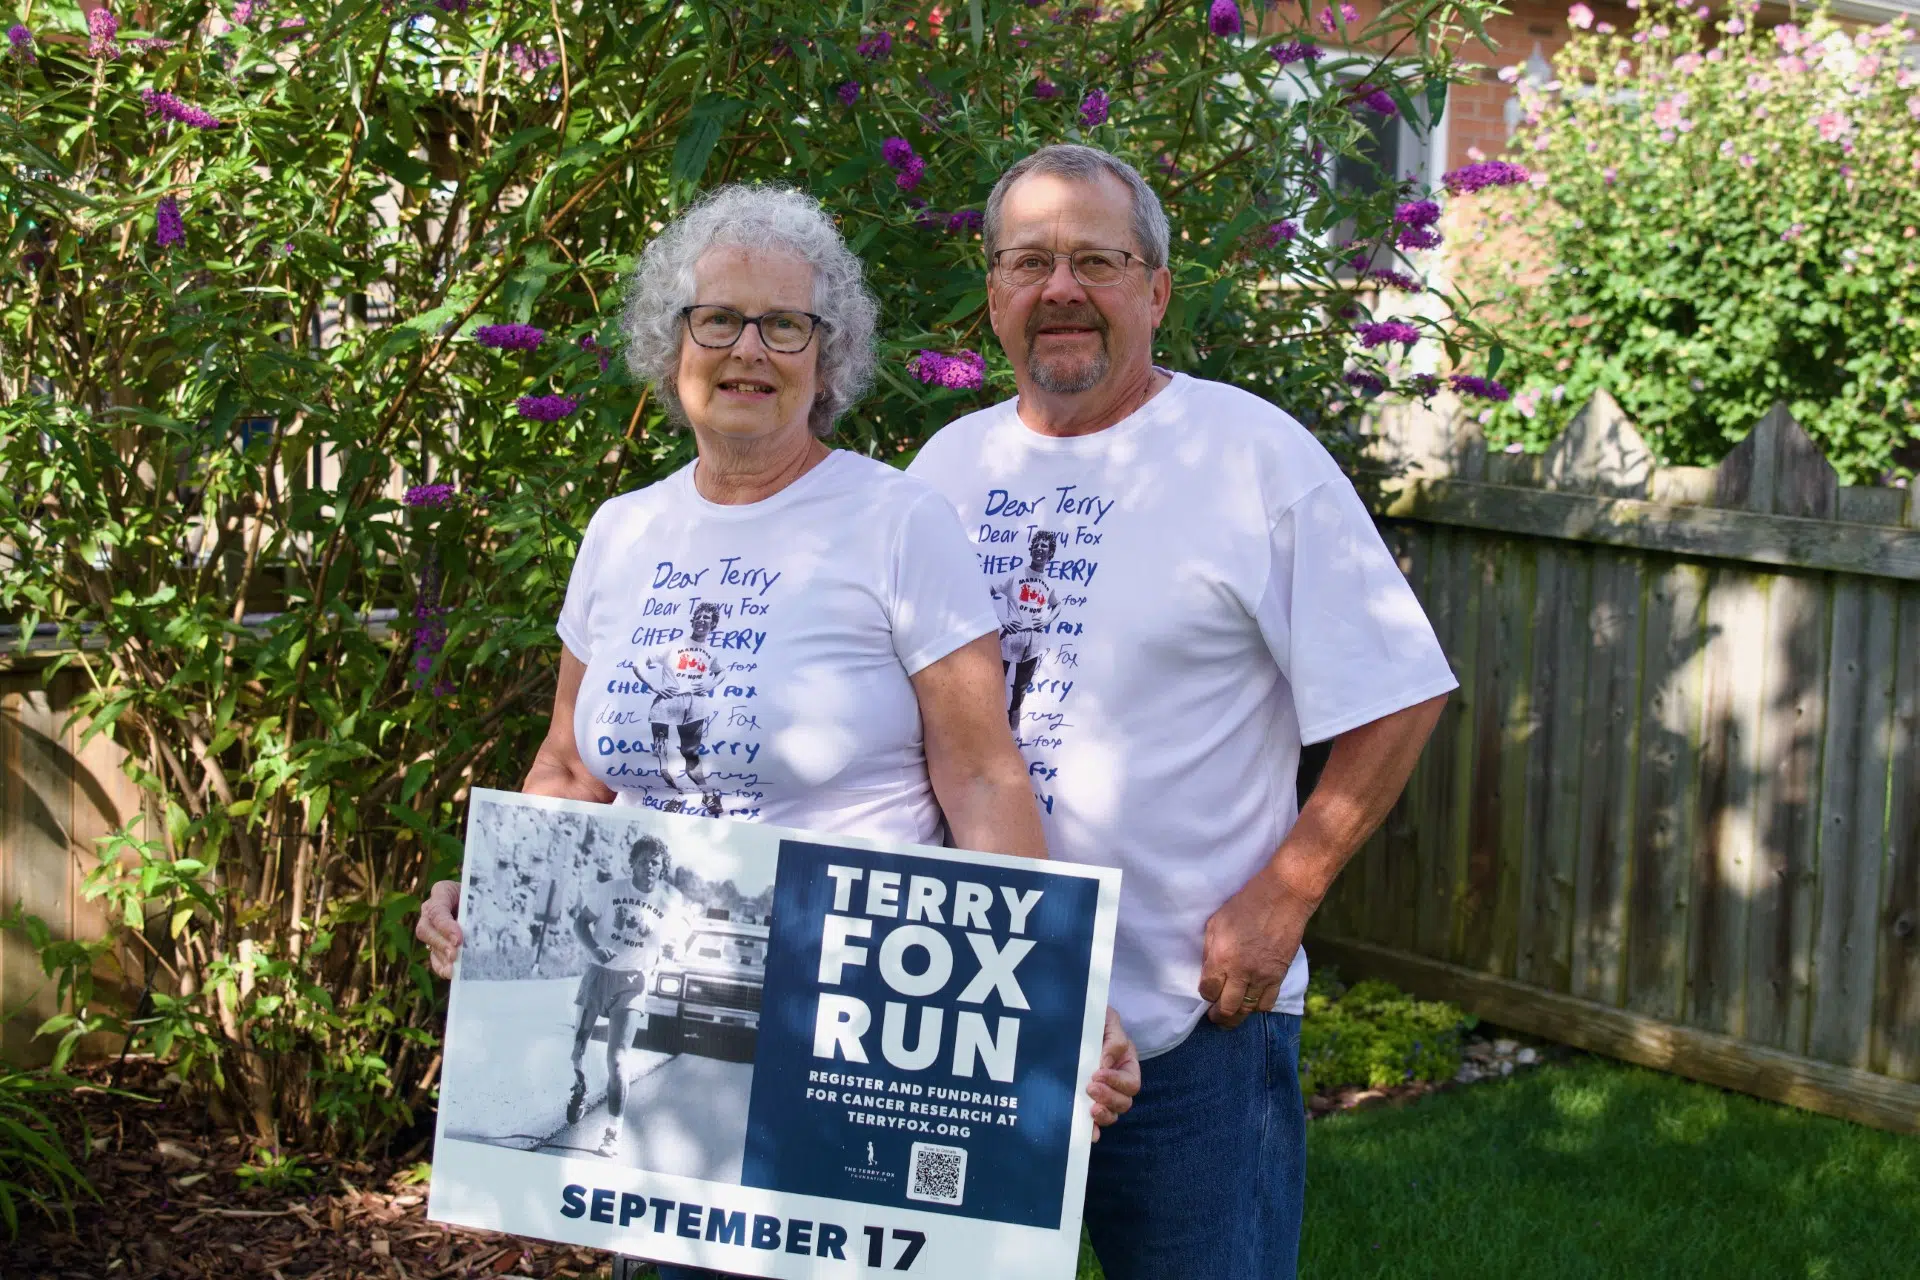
<point>1393,150</point>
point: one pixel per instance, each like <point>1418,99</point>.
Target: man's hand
<point>438,928</point>
<point>1117,1079</point>
<point>1250,942</point>
<point>602,955</point>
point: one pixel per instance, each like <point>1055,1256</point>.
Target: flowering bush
<point>1732,217</point>
<point>307,392</point>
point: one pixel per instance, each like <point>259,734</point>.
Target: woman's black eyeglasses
<point>782,331</point>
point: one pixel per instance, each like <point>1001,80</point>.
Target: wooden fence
<point>1673,812</point>
<point>58,798</point>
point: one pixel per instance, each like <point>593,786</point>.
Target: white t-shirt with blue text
<point>752,661</point>
<point>1223,597</point>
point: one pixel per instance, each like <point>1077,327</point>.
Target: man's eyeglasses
<point>782,331</point>
<point>1095,268</point>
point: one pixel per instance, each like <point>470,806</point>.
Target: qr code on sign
<point>939,1174</point>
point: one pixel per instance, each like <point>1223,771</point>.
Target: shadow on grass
<point>1596,1169</point>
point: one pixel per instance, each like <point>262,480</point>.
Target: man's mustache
<point>1082,317</point>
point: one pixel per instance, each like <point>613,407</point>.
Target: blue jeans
<point>1206,1177</point>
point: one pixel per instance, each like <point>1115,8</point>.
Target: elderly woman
<point>779,631</point>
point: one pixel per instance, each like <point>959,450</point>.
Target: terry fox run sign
<point>770,1052</point>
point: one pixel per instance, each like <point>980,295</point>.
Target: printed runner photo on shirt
<point>769,1051</point>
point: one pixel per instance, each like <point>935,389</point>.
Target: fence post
<point>1599,452</point>
<point>1779,468</point>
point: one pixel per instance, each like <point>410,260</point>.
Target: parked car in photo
<point>704,998</point>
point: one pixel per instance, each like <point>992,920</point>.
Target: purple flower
<point>896,152</point>
<point>532,62</point>
<point>1488,173</point>
<point>101,27</point>
<point>1093,108</point>
<point>964,220</point>
<point>1279,233</point>
<point>1373,335</point>
<point>1399,280</point>
<point>849,93</point>
<point>1367,384</point>
<point>430,495</point>
<point>1295,51</point>
<point>590,343</point>
<point>546,408</point>
<point>876,47</point>
<point>1424,385</point>
<point>1223,19</point>
<point>1417,213</point>
<point>243,11</point>
<point>910,173</point>
<point>1375,99</point>
<point>1044,88</point>
<point>1348,14</point>
<point>1418,238</point>
<point>22,41</point>
<point>452,6</point>
<point>1472,385</point>
<point>168,229</point>
<point>961,371</point>
<point>430,631</point>
<point>509,337</point>
<point>171,108</point>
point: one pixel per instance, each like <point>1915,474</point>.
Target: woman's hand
<point>556,771</point>
<point>438,928</point>
<point>1117,1079</point>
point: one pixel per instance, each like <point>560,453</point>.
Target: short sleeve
<point>1340,619</point>
<point>576,611</point>
<point>939,600</point>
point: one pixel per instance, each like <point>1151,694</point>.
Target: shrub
<point>36,1170</point>
<point>1730,216</point>
<point>301,451</point>
<point>1376,1035</point>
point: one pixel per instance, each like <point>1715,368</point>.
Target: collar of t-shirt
<point>1168,405</point>
<point>819,477</point>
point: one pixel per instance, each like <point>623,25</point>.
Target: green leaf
<point>705,123</point>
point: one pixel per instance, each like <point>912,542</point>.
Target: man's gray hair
<point>1086,164</point>
<point>754,217</point>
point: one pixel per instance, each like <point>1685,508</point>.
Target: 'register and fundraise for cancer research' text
<point>770,1052</point>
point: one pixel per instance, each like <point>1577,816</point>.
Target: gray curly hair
<point>754,217</point>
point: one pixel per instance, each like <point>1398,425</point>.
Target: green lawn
<point>1590,1168</point>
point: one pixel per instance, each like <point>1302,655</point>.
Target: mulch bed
<point>173,1205</point>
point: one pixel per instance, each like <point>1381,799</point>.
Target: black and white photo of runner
<point>618,989</point>
<point>683,677</point>
<point>1027,604</point>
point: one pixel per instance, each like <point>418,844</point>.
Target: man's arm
<point>583,929</point>
<point>1252,938</point>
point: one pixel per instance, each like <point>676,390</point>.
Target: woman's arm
<point>557,770</point>
<point>980,780</point>
<point>977,773</point>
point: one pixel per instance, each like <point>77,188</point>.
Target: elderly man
<point>1223,599</point>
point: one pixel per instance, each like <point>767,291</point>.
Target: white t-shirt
<point>759,654</point>
<point>1224,597</point>
<point>637,926</point>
